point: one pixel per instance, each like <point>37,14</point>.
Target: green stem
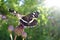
<point>23,38</point>
<point>11,36</point>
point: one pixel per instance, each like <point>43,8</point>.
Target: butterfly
<point>30,19</point>
<point>27,20</point>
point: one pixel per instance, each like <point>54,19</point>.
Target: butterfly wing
<point>26,19</point>
<point>33,23</point>
<point>24,23</point>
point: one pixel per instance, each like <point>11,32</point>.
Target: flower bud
<point>10,28</point>
<point>24,34</point>
<point>3,17</point>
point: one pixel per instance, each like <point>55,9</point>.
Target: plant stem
<point>11,36</point>
<point>15,37</point>
<point>23,38</point>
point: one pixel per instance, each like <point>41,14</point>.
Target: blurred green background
<point>48,27</point>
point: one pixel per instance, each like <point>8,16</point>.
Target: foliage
<point>39,32</point>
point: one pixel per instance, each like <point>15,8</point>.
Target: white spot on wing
<point>33,13</point>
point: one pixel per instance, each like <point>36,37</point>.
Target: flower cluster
<point>19,31</point>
